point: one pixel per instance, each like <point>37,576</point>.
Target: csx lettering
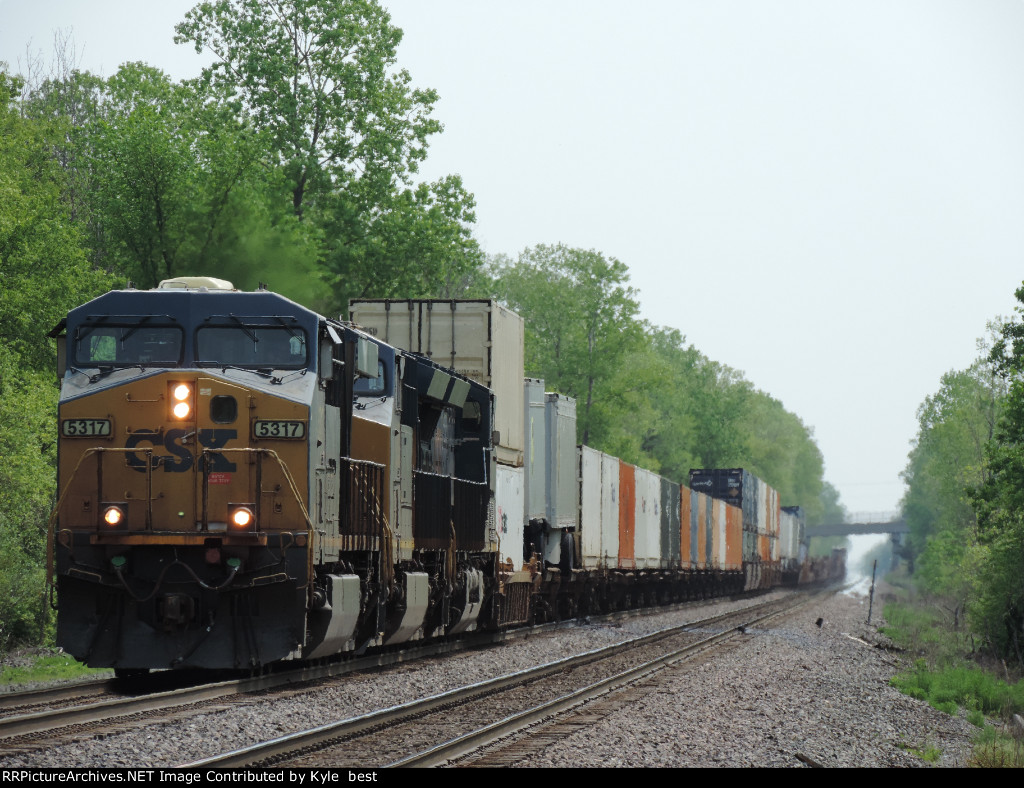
<point>180,458</point>
<point>216,439</point>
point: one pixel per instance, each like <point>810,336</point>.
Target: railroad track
<point>439,729</point>
<point>28,731</point>
<point>15,703</point>
<point>39,719</point>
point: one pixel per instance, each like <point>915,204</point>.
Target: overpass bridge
<point>858,529</point>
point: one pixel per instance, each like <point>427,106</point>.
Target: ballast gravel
<point>811,689</point>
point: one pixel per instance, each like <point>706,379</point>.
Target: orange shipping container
<point>686,497</point>
<point>733,537</point>
<point>718,534</point>
<point>627,515</point>
<point>703,521</point>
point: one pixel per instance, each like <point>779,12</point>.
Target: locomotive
<point>242,481</point>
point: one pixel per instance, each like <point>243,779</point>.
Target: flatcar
<point>242,482</point>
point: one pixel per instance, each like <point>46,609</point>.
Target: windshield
<point>128,344</point>
<point>371,387</point>
<point>272,347</point>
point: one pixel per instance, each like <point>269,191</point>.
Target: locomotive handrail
<point>310,573</point>
<point>51,525</point>
<point>387,551</point>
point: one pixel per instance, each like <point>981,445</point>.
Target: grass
<point>994,749</point>
<point>945,676</point>
<point>47,667</point>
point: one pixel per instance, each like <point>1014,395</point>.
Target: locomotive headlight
<point>242,517</point>
<point>113,516</point>
<point>181,400</point>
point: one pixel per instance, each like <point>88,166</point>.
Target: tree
<point>43,273</point>
<point>584,333</point>
<point>347,132</point>
<point>43,268</point>
<point>948,460</point>
<point>318,77</point>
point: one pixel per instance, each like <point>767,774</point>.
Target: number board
<point>279,430</point>
<point>85,428</point>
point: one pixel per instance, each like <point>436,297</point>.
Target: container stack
<point>759,504</point>
<point>485,342</point>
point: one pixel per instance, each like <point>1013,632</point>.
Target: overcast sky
<point>826,195</point>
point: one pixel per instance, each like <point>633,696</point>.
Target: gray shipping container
<point>535,448</point>
<point>563,495</point>
<point>477,338</point>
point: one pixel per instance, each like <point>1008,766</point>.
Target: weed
<point>946,677</point>
<point>925,752</point>
<point>995,748</point>
<point>53,667</point>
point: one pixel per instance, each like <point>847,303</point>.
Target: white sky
<point>825,194</point>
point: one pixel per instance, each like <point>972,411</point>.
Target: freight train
<point>242,481</point>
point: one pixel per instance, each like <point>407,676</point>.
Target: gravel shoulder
<point>797,694</point>
<point>793,694</point>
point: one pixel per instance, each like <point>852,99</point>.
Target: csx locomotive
<point>242,481</point>
<point>236,484</point>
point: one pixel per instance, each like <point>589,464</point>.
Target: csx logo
<point>180,458</point>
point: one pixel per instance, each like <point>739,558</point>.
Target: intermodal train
<point>242,481</point>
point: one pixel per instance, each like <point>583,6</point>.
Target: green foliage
<point>947,459</point>
<point>948,689</point>
<point>52,667</point>
<point>345,132</point>
<point>43,269</point>
<point>997,604</point>
<point>416,243</point>
<point>947,679</point>
<point>44,272</point>
<point>996,748</point>
<point>584,335</point>
<point>319,78</point>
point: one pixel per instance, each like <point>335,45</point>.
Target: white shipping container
<point>599,509</point>
<point>719,538</point>
<point>787,527</point>
<point>479,339</point>
<point>647,536</point>
<point>508,508</point>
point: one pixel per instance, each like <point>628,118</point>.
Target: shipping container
<point>627,514</point>
<point>724,484</point>
<point>647,520</point>
<point>686,498</point>
<point>701,514</point>
<point>508,507</point>
<point>535,450</point>
<point>718,534</point>
<point>792,528</point>
<point>599,509</point>
<point>669,524</point>
<point>734,537</point>
<point>562,464</point>
<point>477,338</point>
<point>759,501</point>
